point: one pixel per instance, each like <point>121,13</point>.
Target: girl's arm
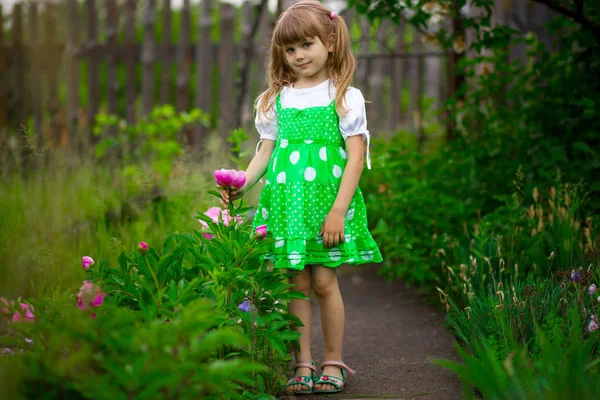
<point>256,169</point>
<point>333,227</point>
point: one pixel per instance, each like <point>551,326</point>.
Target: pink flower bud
<point>143,247</point>
<point>4,310</point>
<point>87,262</point>
<point>261,232</point>
<point>29,317</point>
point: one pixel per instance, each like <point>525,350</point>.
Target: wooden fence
<point>63,62</point>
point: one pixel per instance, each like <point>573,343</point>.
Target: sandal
<point>338,382</point>
<point>307,381</point>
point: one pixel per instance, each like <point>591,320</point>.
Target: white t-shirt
<point>352,124</point>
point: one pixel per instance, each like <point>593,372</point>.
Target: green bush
<point>155,293</point>
<point>562,367</point>
<point>116,355</point>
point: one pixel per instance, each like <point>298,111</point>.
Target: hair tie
<point>332,15</point>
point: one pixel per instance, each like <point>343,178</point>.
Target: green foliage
<point>562,368</point>
<point>118,356</point>
<point>243,327</point>
<point>502,220</point>
<point>154,140</point>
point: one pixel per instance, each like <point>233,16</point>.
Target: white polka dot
<point>347,238</point>
<point>343,153</point>
<point>284,143</point>
<point>294,157</point>
<point>337,171</point>
<point>265,213</point>
<point>350,260</point>
<point>279,243</point>
<point>319,239</point>
<point>308,141</point>
<point>267,183</point>
<point>310,174</point>
<point>281,177</point>
<point>350,214</point>
<point>323,153</point>
<point>335,254</point>
<point>294,258</point>
<point>367,255</point>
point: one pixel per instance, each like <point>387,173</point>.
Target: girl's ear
<point>331,43</point>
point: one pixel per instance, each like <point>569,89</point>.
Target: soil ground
<point>390,338</point>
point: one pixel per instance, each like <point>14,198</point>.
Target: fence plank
<point>376,80</point>
<point>412,78</point>
<point>130,60</point>
<point>56,133</point>
<point>35,78</point>
<point>226,77</point>
<point>72,69</point>
<point>165,59</point>
<point>148,57</point>
<point>204,72</point>
<point>93,61</point>
<point>182,83</point>
<point>20,105</point>
<point>249,30</point>
<point>3,88</point>
<point>112,23</point>
<point>396,112</point>
<point>364,65</point>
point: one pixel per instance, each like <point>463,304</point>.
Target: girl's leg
<point>301,309</point>
<point>325,285</point>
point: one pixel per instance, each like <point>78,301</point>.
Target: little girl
<point>312,125</point>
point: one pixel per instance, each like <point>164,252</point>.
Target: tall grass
<point>73,206</point>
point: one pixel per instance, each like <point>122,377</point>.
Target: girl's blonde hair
<point>307,19</point>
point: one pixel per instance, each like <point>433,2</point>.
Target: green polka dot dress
<point>301,185</point>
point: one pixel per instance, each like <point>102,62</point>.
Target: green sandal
<point>339,383</point>
<point>307,381</point>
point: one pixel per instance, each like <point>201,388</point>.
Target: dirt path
<point>390,336</point>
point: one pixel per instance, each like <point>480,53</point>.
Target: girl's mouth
<point>304,66</point>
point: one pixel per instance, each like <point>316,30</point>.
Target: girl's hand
<point>333,229</point>
<point>231,194</point>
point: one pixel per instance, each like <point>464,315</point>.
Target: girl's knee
<point>302,282</point>
<point>324,286</point>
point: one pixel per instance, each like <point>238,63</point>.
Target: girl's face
<point>308,59</point>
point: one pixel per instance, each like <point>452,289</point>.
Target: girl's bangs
<point>295,28</point>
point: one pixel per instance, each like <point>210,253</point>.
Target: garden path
<point>390,336</point>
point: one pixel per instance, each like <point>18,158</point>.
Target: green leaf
<point>278,344</point>
<point>289,335</point>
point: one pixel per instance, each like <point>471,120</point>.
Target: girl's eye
<point>307,44</point>
<point>290,50</point>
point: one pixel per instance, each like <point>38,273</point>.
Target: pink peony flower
<point>214,213</point>
<point>143,247</point>
<point>87,262</point>
<point>29,317</point>
<point>592,289</point>
<point>261,231</point>
<point>230,178</point>
<point>89,296</point>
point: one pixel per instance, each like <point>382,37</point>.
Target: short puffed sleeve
<point>354,122</point>
<point>266,124</point>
